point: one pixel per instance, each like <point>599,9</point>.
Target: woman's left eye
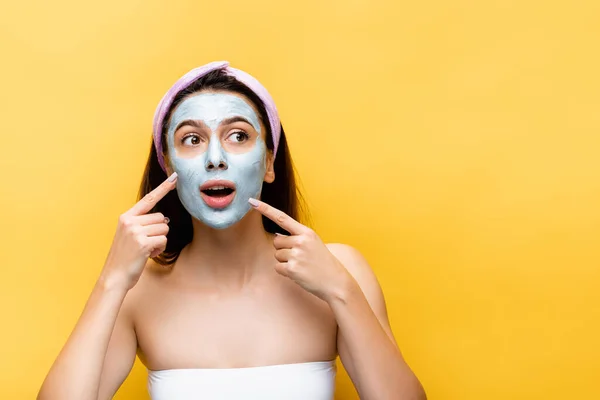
<point>239,136</point>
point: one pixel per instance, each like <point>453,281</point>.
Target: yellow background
<point>455,143</point>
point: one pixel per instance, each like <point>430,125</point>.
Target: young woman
<point>238,300</point>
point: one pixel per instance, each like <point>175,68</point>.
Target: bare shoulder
<point>361,271</point>
<point>356,264</point>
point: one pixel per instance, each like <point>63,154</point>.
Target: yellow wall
<point>455,143</point>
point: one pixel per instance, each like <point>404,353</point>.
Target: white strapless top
<point>302,381</point>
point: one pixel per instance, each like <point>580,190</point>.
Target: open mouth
<point>218,194</point>
<point>218,191</point>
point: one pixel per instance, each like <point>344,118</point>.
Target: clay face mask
<point>216,205</point>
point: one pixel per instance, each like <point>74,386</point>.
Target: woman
<point>239,300</point>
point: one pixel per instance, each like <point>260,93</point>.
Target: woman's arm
<point>365,341</point>
<point>340,276</point>
<point>99,353</point>
<point>101,349</point>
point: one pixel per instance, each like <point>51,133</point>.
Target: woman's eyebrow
<point>190,122</point>
<point>231,120</point>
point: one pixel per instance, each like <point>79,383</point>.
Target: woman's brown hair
<point>282,194</point>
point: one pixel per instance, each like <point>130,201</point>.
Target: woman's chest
<point>207,329</point>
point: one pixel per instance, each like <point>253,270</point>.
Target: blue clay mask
<point>245,169</point>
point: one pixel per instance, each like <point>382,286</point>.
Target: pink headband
<point>186,80</point>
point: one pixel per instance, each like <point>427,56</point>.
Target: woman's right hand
<point>139,236</point>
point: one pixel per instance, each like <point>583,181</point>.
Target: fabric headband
<point>187,79</point>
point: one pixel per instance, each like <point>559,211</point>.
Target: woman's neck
<point>228,258</point>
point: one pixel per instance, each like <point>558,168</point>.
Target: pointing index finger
<point>279,217</point>
<point>152,198</point>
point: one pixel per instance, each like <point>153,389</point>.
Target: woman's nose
<point>220,165</point>
<point>215,158</point>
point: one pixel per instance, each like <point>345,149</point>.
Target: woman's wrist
<point>113,282</point>
<point>346,288</point>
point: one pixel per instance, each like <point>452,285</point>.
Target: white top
<point>301,381</point>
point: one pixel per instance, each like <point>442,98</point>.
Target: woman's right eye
<point>191,140</point>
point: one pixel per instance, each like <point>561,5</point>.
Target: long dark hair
<point>282,194</point>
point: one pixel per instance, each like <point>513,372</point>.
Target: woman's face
<point>217,147</point>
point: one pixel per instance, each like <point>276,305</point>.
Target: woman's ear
<point>270,173</point>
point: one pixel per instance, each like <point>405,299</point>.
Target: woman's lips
<point>217,201</point>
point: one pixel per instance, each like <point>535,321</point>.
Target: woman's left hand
<point>305,259</point>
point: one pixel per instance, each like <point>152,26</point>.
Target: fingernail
<point>278,234</point>
<point>253,202</point>
<point>167,220</point>
<point>172,177</point>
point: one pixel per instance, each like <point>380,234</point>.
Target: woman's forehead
<point>213,107</point>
